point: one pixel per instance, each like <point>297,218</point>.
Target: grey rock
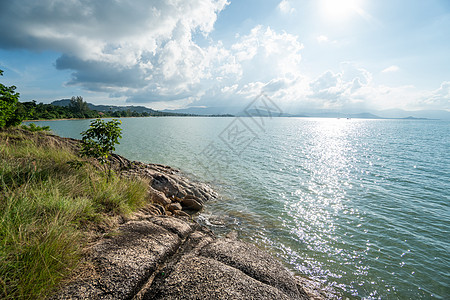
<point>164,257</point>
<point>204,278</point>
<point>254,262</point>
<point>124,261</point>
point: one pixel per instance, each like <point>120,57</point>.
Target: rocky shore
<point>160,252</point>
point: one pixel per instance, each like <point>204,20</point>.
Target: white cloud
<point>285,7</point>
<point>144,51</point>
<point>125,48</point>
<point>437,99</point>
<point>268,53</point>
<point>391,69</point>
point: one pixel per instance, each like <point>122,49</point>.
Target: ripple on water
<point>360,204</point>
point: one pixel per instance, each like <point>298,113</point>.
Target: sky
<point>306,55</point>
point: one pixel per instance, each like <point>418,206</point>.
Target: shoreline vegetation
<point>69,231</point>
<point>52,201</point>
<point>76,108</point>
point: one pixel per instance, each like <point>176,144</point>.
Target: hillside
<point>114,108</point>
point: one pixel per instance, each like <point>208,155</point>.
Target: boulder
<point>125,260</point>
<point>254,262</point>
<point>191,204</point>
<point>163,257</point>
<point>181,213</point>
<point>174,206</point>
<point>158,197</point>
<point>204,278</point>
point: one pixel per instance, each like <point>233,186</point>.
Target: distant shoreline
<point>207,116</point>
<point>250,116</point>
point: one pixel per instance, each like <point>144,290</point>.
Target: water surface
<point>362,205</point>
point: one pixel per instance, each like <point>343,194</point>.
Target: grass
<point>50,199</point>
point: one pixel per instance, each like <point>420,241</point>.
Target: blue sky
<point>353,55</point>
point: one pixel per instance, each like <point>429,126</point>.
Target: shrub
<point>8,106</point>
<point>100,139</point>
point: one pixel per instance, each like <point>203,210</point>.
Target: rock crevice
<point>163,257</point>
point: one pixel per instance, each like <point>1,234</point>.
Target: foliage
<point>47,209</point>
<point>40,111</point>
<point>100,139</point>
<point>79,107</point>
<point>33,128</point>
<point>8,106</point>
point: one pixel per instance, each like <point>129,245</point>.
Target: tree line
<point>13,112</point>
<point>77,109</point>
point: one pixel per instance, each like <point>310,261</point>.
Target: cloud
<point>126,48</point>
<point>391,69</point>
<point>147,52</point>
<point>334,90</point>
<point>264,53</point>
<point>438,99</point>
<point>285,7</point>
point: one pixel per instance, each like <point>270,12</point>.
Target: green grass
<point>33,128</point>
<point>49,200</point>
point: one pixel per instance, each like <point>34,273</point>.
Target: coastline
<point>42,120</point>
<point>176,199</point>
<point>161,252</point>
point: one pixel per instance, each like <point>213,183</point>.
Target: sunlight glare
<point>339,9</point>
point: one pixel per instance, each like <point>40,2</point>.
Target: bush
<point>8,106</point>
<point>33,128</point>
<point>100,139</point>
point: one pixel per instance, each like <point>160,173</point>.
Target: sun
<point>339,9</point>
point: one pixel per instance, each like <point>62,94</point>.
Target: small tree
<point>8,106</point>
<point>100,140</point>
<point>79,106</point>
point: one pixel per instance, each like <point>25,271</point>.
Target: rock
<point>174,206</point>
<point>165,257</point>
<point>204,278</point>
<point>124,262</point>
<point>191,204</point>
<point>255,263</point>
<point>181,213</point>
<point>232,235</point>
<point>158,197</point>
<point>162,257</point>
<point>166,184</point>
<point>160,209</point>
<point>180,227</point>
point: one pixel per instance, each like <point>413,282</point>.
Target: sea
<point>361,206</point>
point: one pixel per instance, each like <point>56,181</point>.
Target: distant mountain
<point>205,111</point>
<point>414,118</point>
<point>418,114</point>
<point>365,115</point>
<point>334,114</point>
<point>266,113</point>
<point>142,109</point>
<point>231,110</point>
